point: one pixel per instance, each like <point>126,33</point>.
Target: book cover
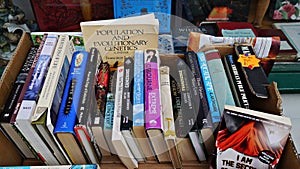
<point>66,15</point>
<point>168,117</point>
<point>161,10</point>
<point>118,141</point>
<point>138,118</point>
<point>219,79</point>
<point>45,114</point>
<point>7,120</point>
<point>67,115</point>
<point>153,112</point>
<point>73,166</point>
<point>248,138</point>
<point>117,38</point>
<point>101,90</point>
<point>28,105</point>
<point>235,81</point>
<point>209,89</point>
<point>127,110</point>
<point>219,13</point>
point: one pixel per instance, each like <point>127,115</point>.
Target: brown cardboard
<point>12,70</point>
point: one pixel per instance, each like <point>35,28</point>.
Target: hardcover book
<point>127,110</point>
<point>28,105</point>
<point>161,10</point>
<point>138,118</point>
<point>153,112</point>
<point>87,106</point>
<point>67,115</point>
<point>117,38</point>
<point>101,89</point>
<point>118,141</point>
<point>66,15</point>
<point>7,118</point>
<point>168,117</point>
<point>248,138</point>
<point>45,114</point>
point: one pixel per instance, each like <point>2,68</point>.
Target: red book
<point>66,15</point>
<point>233,26</point>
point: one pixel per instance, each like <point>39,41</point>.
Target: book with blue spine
<point>160,8</point>
<point>209,89</point>
<point>67,115</point>
<point>30,99</point>
<point>138,106</point>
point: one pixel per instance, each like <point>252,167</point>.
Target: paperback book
<point>250,139</point>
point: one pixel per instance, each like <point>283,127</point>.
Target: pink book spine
<point>152,96</point>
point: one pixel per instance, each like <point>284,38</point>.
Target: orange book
<point>219,13</point>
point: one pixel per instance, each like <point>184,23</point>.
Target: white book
<point>47,108</point>
<point>118,141</point>
<point>28,105</point>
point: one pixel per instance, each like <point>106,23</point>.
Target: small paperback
<point>250,139</point>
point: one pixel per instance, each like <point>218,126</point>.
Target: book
<point>161,10</point>
<point>284,10</point>
<point>255,76</point>
<point>219,79</point>
<point>287,51</point>
<point>138,119</point>
<point>101,89</point>
<point>168,117</point>
<point>250,138</point>
<point>122,149</point>
<point>209,89</point>
<point>219,13</point>
<point>87,106</point>
<point>45,114</point>
<point>7,118</point>
<point>71,13</point>
<point>73,166</point>
<point>117,38</point>
<point>28,105</point>
<point>291,32</point>
<point>153,112</point>
<point>67,115</point>
<point>127,110</point>
<point>109,110</point>
<point>235,81</point>
<point>10,155</point>
<point>189,125</point>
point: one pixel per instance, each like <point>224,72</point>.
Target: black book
<point>236,83</point>
<point>256,78</point>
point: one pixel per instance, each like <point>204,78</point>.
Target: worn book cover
<point>67,14</point>
<point>117,38</point>
<point>160,8</point>
<point>250,139</point>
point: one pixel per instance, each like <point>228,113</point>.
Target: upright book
<point>67,116</point>
<point>161,10</point>
<point>45,114</point>
<point>153,112</point>
<point>252,139</point>
<point>117,38</point>
<point>127,110</point>
<point>138,118</point>
<point>118,141</point>
<point>28,105</point>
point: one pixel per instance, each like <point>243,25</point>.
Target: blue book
<point>209,89</point>
<point>160,8</point>
<point>67,115</point>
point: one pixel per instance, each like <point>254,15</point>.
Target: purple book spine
<point>152,96</point>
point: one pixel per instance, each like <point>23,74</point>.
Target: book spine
<point>187,103</point>
<point>168,118</point>
<point>27,81</point>
<point>152,90</point>
<point>127,113</point>
<point>85,107</point>
<point>208,86</point>
<point>237,84</point>
<point>198,87</point>
<point>138,89</point>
